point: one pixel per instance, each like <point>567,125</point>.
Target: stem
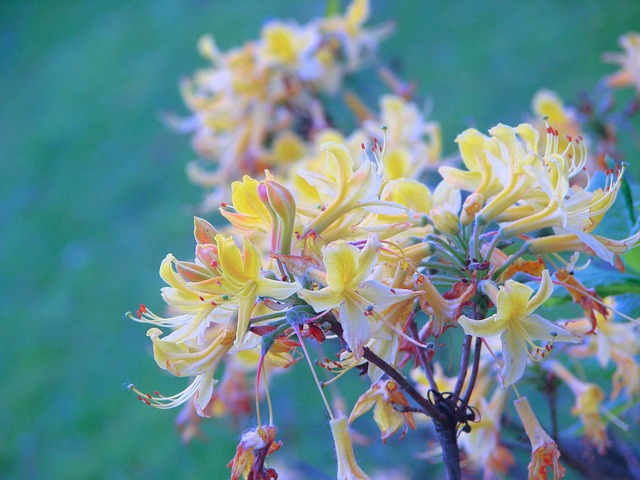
<point>551,390</point>
<point>474,371</point>
<point>493,245</point>
<point>296,328</point>
<point>444,247</point>
<point>437,266</point>
<point>464,363</point>
<point>402,382</point>
<point>474,248</point>
<point>523,249</point>
<point>447,436</point>
<point>423,358</point>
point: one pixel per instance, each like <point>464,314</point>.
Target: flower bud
<point>444,220</point>
<point>472,205</point>
<point>348,468</point>
<point>203,231</point>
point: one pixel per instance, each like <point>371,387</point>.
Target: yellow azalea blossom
<point>615,341</point>
<point>479,176</point>
<point>243,282</point>
<point>442,312</point>
<point>344,189</point>
<point>410,143</point>
<point>629,61</point>
<point>597,245</point>
<point>517,325</point>
<point>348,468</point>
<point>589,398</point>
<point>284,44</point>
<point>349,291</point>
<point>384,394</point>
<point>248,212</point>
<point>199,360</point>
<point>545,452</point>
<point>192,289</point>
<point>255,444</point>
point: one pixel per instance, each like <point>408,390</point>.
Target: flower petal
<point>341,262</point>
<point>355,326</point>
<point>322,300</point>
<point>514,354</point>
<point>543,293</point>
<point>487,327</point>
<point>513,299</point>
<point>540,328</point>
<point>267,287</point>
<point>381,295</point>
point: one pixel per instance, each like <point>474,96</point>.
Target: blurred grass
<point>93,195</point>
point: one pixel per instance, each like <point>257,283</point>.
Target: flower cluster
<point>263,106</point>
<point>334,239</point>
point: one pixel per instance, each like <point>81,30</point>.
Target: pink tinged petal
<point>322,300</point>
<point>487,327</point>
<point>543,293</point>
<point>203,231</point>
<point>381,295</point>
<point>341,262</point>
<point>540,328</point>
<point>514,354</point>
<point>355,326</point>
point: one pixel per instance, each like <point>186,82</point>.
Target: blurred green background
<point>93,195</point>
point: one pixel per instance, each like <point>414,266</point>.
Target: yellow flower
<point>349,290</point>
<point>193,359</point>
<point>248,212</point>
<point>589,397</point>
<point>517,325</point>
<point>255,445</point>
<point>629,60</point>
<point>243,282</point>
<point>384,394</point>
<point>344,189</point>
<point>478,177</point>
<point>545,452</point>
<point>348,468</point>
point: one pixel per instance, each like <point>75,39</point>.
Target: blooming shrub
<point>371,245</point>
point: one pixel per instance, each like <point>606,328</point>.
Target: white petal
<point>514,354</point>
<point>355,326</point>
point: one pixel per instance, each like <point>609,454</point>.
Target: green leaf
<point>627,195</point>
